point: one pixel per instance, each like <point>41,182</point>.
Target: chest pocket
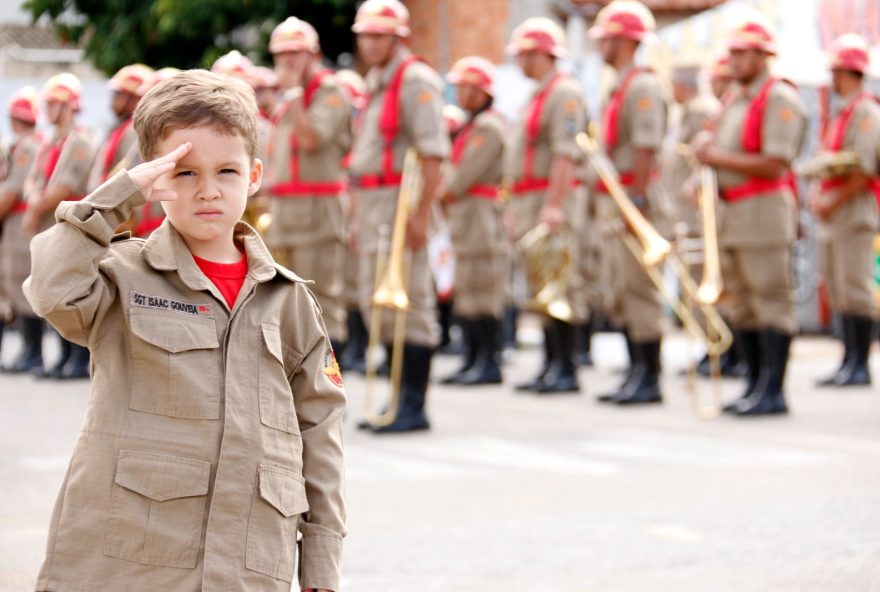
<point>276,398</point>
<point>176,365</point>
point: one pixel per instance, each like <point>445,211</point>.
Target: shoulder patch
<point>786,114</point>
<point>570,106</point>
<point>334,100</point>
<point>424,97</point>
<point>865,123</point>
<point>645,104</point>
<point>331,368</point>
<point>478,140</point>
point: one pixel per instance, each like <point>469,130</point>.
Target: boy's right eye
<point>183,174</point>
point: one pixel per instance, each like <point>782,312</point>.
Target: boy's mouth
<point>209,213</point>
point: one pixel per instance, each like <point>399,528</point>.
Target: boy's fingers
<point>176,154</point>
<point>163,195</point>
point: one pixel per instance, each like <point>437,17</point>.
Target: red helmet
<point>382,17</point>
<point>474,70</point>
<point>849,52</point>
<point>24,104</point>
<point>626,19</point>
<point>157,77</point>
<point>720,69</point>
<point>65,88</point>
<point>130,79</point>
<point>354,86</point>
<point>294,35</point>
<point>234,64</point>
<point>455,117</point>
<point>538,34</point>
<point>753,31</point>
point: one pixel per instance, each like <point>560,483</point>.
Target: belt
<point>625,179</point>
<point>377,181</point>
<point>305,188</point>
<point>535,184</point>
<point>19,207</point>
<point>484,191</point>
<point>753,188</point>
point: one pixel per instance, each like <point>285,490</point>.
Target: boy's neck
<point>220,250</point>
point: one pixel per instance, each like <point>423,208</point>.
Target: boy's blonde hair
<point>196,98</point>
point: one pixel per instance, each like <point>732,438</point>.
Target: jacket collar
<point>379,78</point>
<point>752,89</point>
<point>165,250</point>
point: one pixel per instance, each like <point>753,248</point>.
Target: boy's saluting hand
<point>146,174</point>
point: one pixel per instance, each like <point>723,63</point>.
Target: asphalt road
<point>513,492</point>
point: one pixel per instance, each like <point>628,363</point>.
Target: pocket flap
<point>162,477</point>
<point>284,490</point>
<point>174,334</point>
<point>272,338</point>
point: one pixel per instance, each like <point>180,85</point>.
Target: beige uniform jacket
<point>15,253</point>
<point>767,220</point>
<point>862,137</point>
<point>306,219</point>
<point>212,435</point>
<point>641,125</point>
<point>120,158</point>
<point>475,221</point>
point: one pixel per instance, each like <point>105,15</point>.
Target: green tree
<point>188,33</point>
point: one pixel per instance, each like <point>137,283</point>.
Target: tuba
<point>391,294</point>
<point>652,250</point>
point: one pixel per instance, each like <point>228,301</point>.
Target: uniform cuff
<point>321,562</point>
<point>99,214</point>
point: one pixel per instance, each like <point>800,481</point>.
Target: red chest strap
<point>754,120</point>
<point>113,143</point>
<point>49,155</point>
<point>833,141</point>
<point>533,126</point>
<point>462,138</point>
<point>611,115</point>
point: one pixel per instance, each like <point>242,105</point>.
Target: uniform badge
<point>786,114</point>
<point>644,104</point>
<point>478,141</point>
<point>205,311</point>
<point>331,368</point>
<point>334,101</point>
<point>424,97</point>
<point>570,106</point>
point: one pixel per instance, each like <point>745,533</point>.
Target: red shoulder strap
<point>533,123</point>
<point>461,141</point>
<point>754,121</point>
<point>313,86</point>
<point>49,155</point>
<point>389,118</point>
<point>611,116</point>
<point>113,147</point>
<point>836,130</point>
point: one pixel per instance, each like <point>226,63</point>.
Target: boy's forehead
<point>206,140</point>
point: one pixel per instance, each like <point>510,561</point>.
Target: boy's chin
<point>205,233</point>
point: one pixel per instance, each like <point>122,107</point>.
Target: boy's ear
<point>256,178</point>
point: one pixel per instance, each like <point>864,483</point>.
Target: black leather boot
<point>77,367</point>
<point>750,351</point>
<point>768,397</point>
<point>855,372</point>
<point>508,328</point>
<point>732,364</point>
<point>630,371</point>
<point>30,358</point>
<point>413,392</point>
<point>562,375</point>
<point>550,346</point>
<point>584,355</point>
<point>485,369</point>
<point>848,352</point>
<point>469,329</point>
<point>645,385</point>
<point>353,357</point>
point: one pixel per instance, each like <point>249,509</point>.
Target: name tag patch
<point>140,300</point>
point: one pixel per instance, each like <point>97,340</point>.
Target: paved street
<point>514,492</point>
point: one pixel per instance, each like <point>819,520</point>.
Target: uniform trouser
<point>635,302</point>
<point>525,210</point>
<point>376,209</point>
<point>15,264</point>
<point>323,263</point>
<point>847,262</point>
<point>759,288</point>
<point>480,285</point>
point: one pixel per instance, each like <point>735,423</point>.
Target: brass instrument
<point>651,250</point>
<point>392,277</point>
<point>827,165</point>
<point>711,285</point>
<point>547,262</point>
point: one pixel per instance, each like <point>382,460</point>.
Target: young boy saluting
<point>213,433</point>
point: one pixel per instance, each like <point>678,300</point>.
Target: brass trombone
<point>392,277</point>
<point>651,250</point>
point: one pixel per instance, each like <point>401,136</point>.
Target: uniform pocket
<point>279,499</point>
<point>276,398</point>
<point>157,508</point>
<point>176,366</point>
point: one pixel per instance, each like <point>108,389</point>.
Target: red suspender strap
<point>533,128</point>
<point>611,116</point>
<point>48,157</point>
<point>19,207</point>
<point>295,187</point>
<point>458,147</point>
<point>833,142</point>
<point>113,147</point>
<point>751,142</point>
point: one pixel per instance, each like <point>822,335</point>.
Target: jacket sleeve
<point>67,285</point>
<point>483,148</point>
<point>319,399</point>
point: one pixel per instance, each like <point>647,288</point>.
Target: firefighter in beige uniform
<point>540,163</point>
<point>404,112</point>
<point>14,244</point>
<point>306,178</point>
<point>60,173</point>
<point>846,207</point>
<point>470,194</point>
<point>633,126</point>
<point>126,85</point>
<point>759,132</point>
